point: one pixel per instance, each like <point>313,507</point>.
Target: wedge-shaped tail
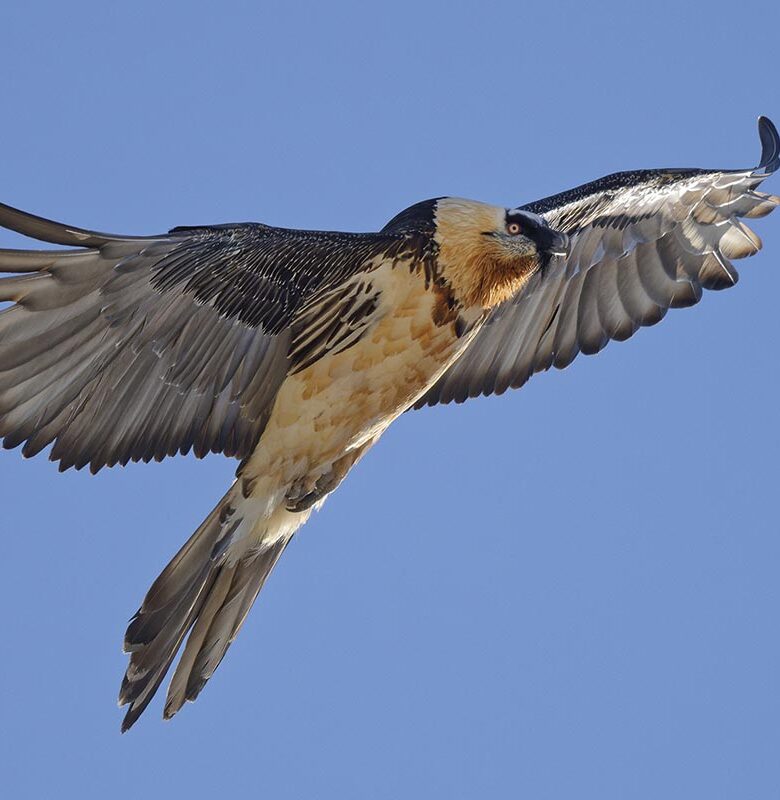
<point>202,592</point>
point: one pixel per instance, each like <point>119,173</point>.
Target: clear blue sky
<point>572,591</point>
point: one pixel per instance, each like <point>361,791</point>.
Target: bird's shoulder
<point>262,275</point>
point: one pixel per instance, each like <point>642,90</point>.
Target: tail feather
<point>244,588</point>
<point>202,593</point>
<point>179,581</point>
<point>169,609</point>
<point>139,686</point>
<point>218,625</point>
<point>177,694</point>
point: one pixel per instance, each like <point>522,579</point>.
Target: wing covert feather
<point>641,243</point>
<point>137,348</point>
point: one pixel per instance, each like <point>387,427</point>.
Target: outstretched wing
<point>641,243</point>
<point>129,348</point>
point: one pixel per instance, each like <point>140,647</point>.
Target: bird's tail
<point>202,592</point>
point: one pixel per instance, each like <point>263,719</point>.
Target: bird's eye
<point>513,228</point>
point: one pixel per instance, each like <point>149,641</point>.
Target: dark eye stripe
<point>528,223</point>
<point>520,223</point>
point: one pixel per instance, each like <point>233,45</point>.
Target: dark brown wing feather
<point>642,243</point>
<point>136,348</point>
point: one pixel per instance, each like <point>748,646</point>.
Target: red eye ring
<point>513,228</point>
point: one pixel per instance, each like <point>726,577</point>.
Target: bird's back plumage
<point>199,326</point>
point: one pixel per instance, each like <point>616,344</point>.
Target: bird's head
<point>487,253</point>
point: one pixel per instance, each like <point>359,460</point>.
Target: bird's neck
<point>479,272</point>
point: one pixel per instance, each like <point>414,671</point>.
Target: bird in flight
<point>293,350</point>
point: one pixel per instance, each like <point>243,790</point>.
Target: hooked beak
<point>554,243</point>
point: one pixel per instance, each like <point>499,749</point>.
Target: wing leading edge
<point>642,242</point>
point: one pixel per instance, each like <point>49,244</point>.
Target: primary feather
<point>294,350</point>
<point>642,242</point>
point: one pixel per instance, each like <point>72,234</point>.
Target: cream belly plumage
<point>324,419</point>
<point>339,405</point>
<point>293,351</point>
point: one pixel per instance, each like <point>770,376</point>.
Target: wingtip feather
<point>770,145</point>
